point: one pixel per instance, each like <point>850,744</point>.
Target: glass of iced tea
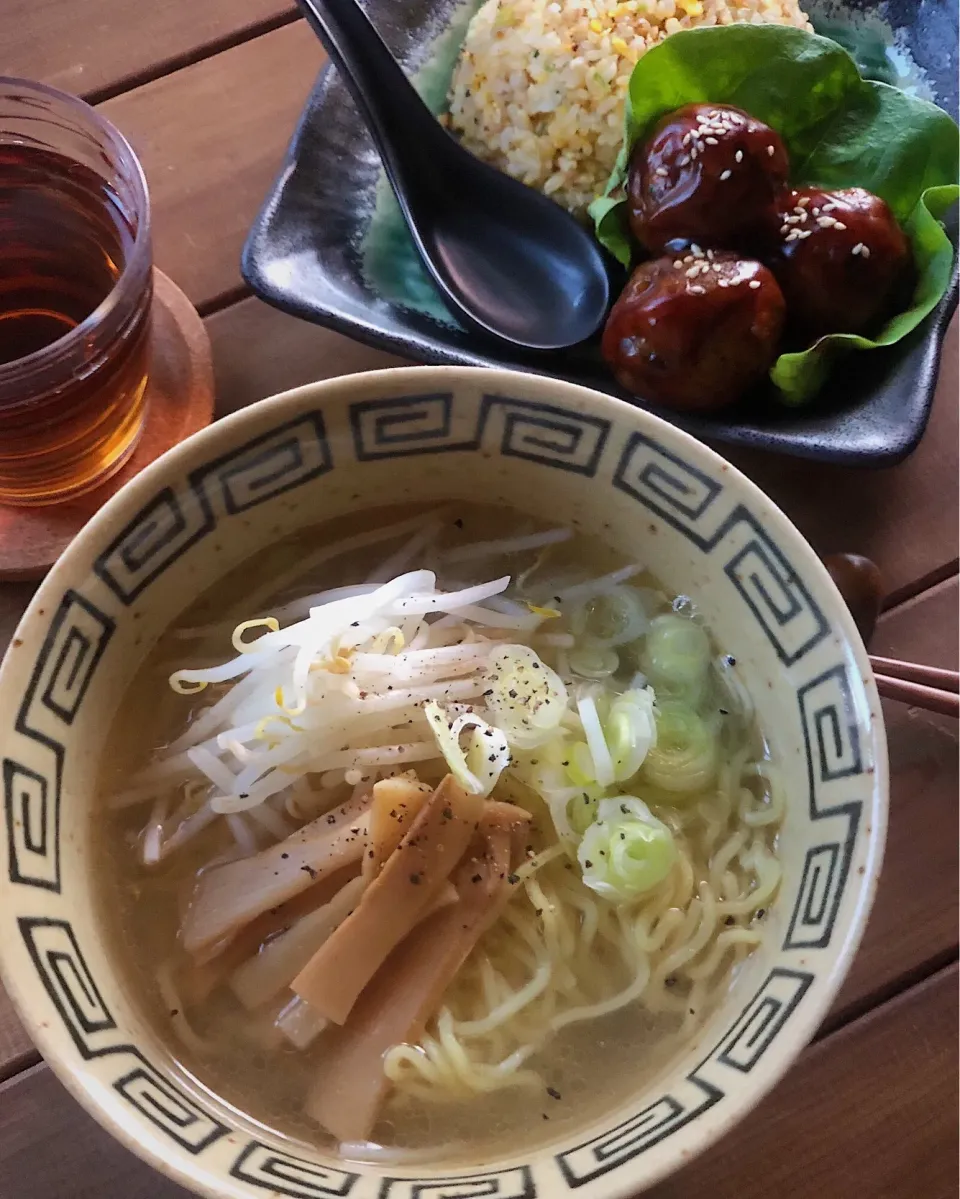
<point>76,285</point>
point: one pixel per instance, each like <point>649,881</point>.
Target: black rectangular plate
<point>303,256</point>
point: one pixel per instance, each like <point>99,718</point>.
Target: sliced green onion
<point>526,698</point>
<point>595,662</point>
<point>630,731</point>
<point>610,619</point>
<point>677,656</point>
<point>582,809</point>
<point>626,851</point>
<point>684,759</point>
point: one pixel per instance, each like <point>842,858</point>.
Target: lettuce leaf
<point>840,130</point>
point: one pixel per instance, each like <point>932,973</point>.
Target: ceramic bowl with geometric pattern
<point>549,449</point>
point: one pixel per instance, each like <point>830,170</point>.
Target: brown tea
<point>65,238</point>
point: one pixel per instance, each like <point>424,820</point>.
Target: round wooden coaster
<point>180,401</point>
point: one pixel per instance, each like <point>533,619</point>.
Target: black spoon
<point>507,260</point>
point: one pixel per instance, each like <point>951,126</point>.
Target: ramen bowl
<point>546,449</point>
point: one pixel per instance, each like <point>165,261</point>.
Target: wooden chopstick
<point>913,672</point>
<point>927,687</point>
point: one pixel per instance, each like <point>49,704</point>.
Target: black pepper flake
<point>477,878</point>
<point>415,879</point>
<point>545,1116</point>
<point>174,1011</point>
<point>729,920</point>
<point>723,711</point>
<point>761,912</point>
<point>355,624</point>
<point>624,809</point>
<point>588,864</point>
<point>284,856</point>
<point>244,795</point>
<point>554,1093</point>
<point>730,660</point>
<point>513,879</point>
<point>447,813</point>
<point>459,523</point>
<point>539,911</point>
<point>309,870</point>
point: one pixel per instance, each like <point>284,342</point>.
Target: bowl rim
<point>129,498</point>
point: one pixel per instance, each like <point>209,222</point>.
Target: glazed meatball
<point>694,333</point>
<point>708,173</point>
<point>842,261</point>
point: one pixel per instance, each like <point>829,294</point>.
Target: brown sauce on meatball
<point>709,173</point>
<point>841,259</point>
<point>694,333</point>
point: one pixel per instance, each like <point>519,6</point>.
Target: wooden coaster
<point>179,402</point>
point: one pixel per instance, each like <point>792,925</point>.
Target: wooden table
<point>208,93</point>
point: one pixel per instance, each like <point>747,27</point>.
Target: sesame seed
<point>695,250</point>
<point>725,175</point>
<point>802,233</point>
<point>738,157</point>
<point>686,140</point>
<point>839,225</point>
<point>857,248</point>
<point>829,207</point>
<point>723,283</point>
<point>826,222</point>
<point>754,284</point>
<point>693,271</point>
<point>682,162</point>
<point>662,171</point>
<point>803,201</point>
<point>678,263</point>
<point>693,154</point>
<point>793,235</point>
<point>815,211</point>
<point>784,228</point>
<point>687,259</point>
<point>712,141</point>
<point>865,252</point>
<point>697,290</point>
<point>770,151</point>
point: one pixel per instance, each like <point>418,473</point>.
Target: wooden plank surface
<point>211,139</point>
<point>88,48</point>
<point>888,1079</point>
<point>914,919</point>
